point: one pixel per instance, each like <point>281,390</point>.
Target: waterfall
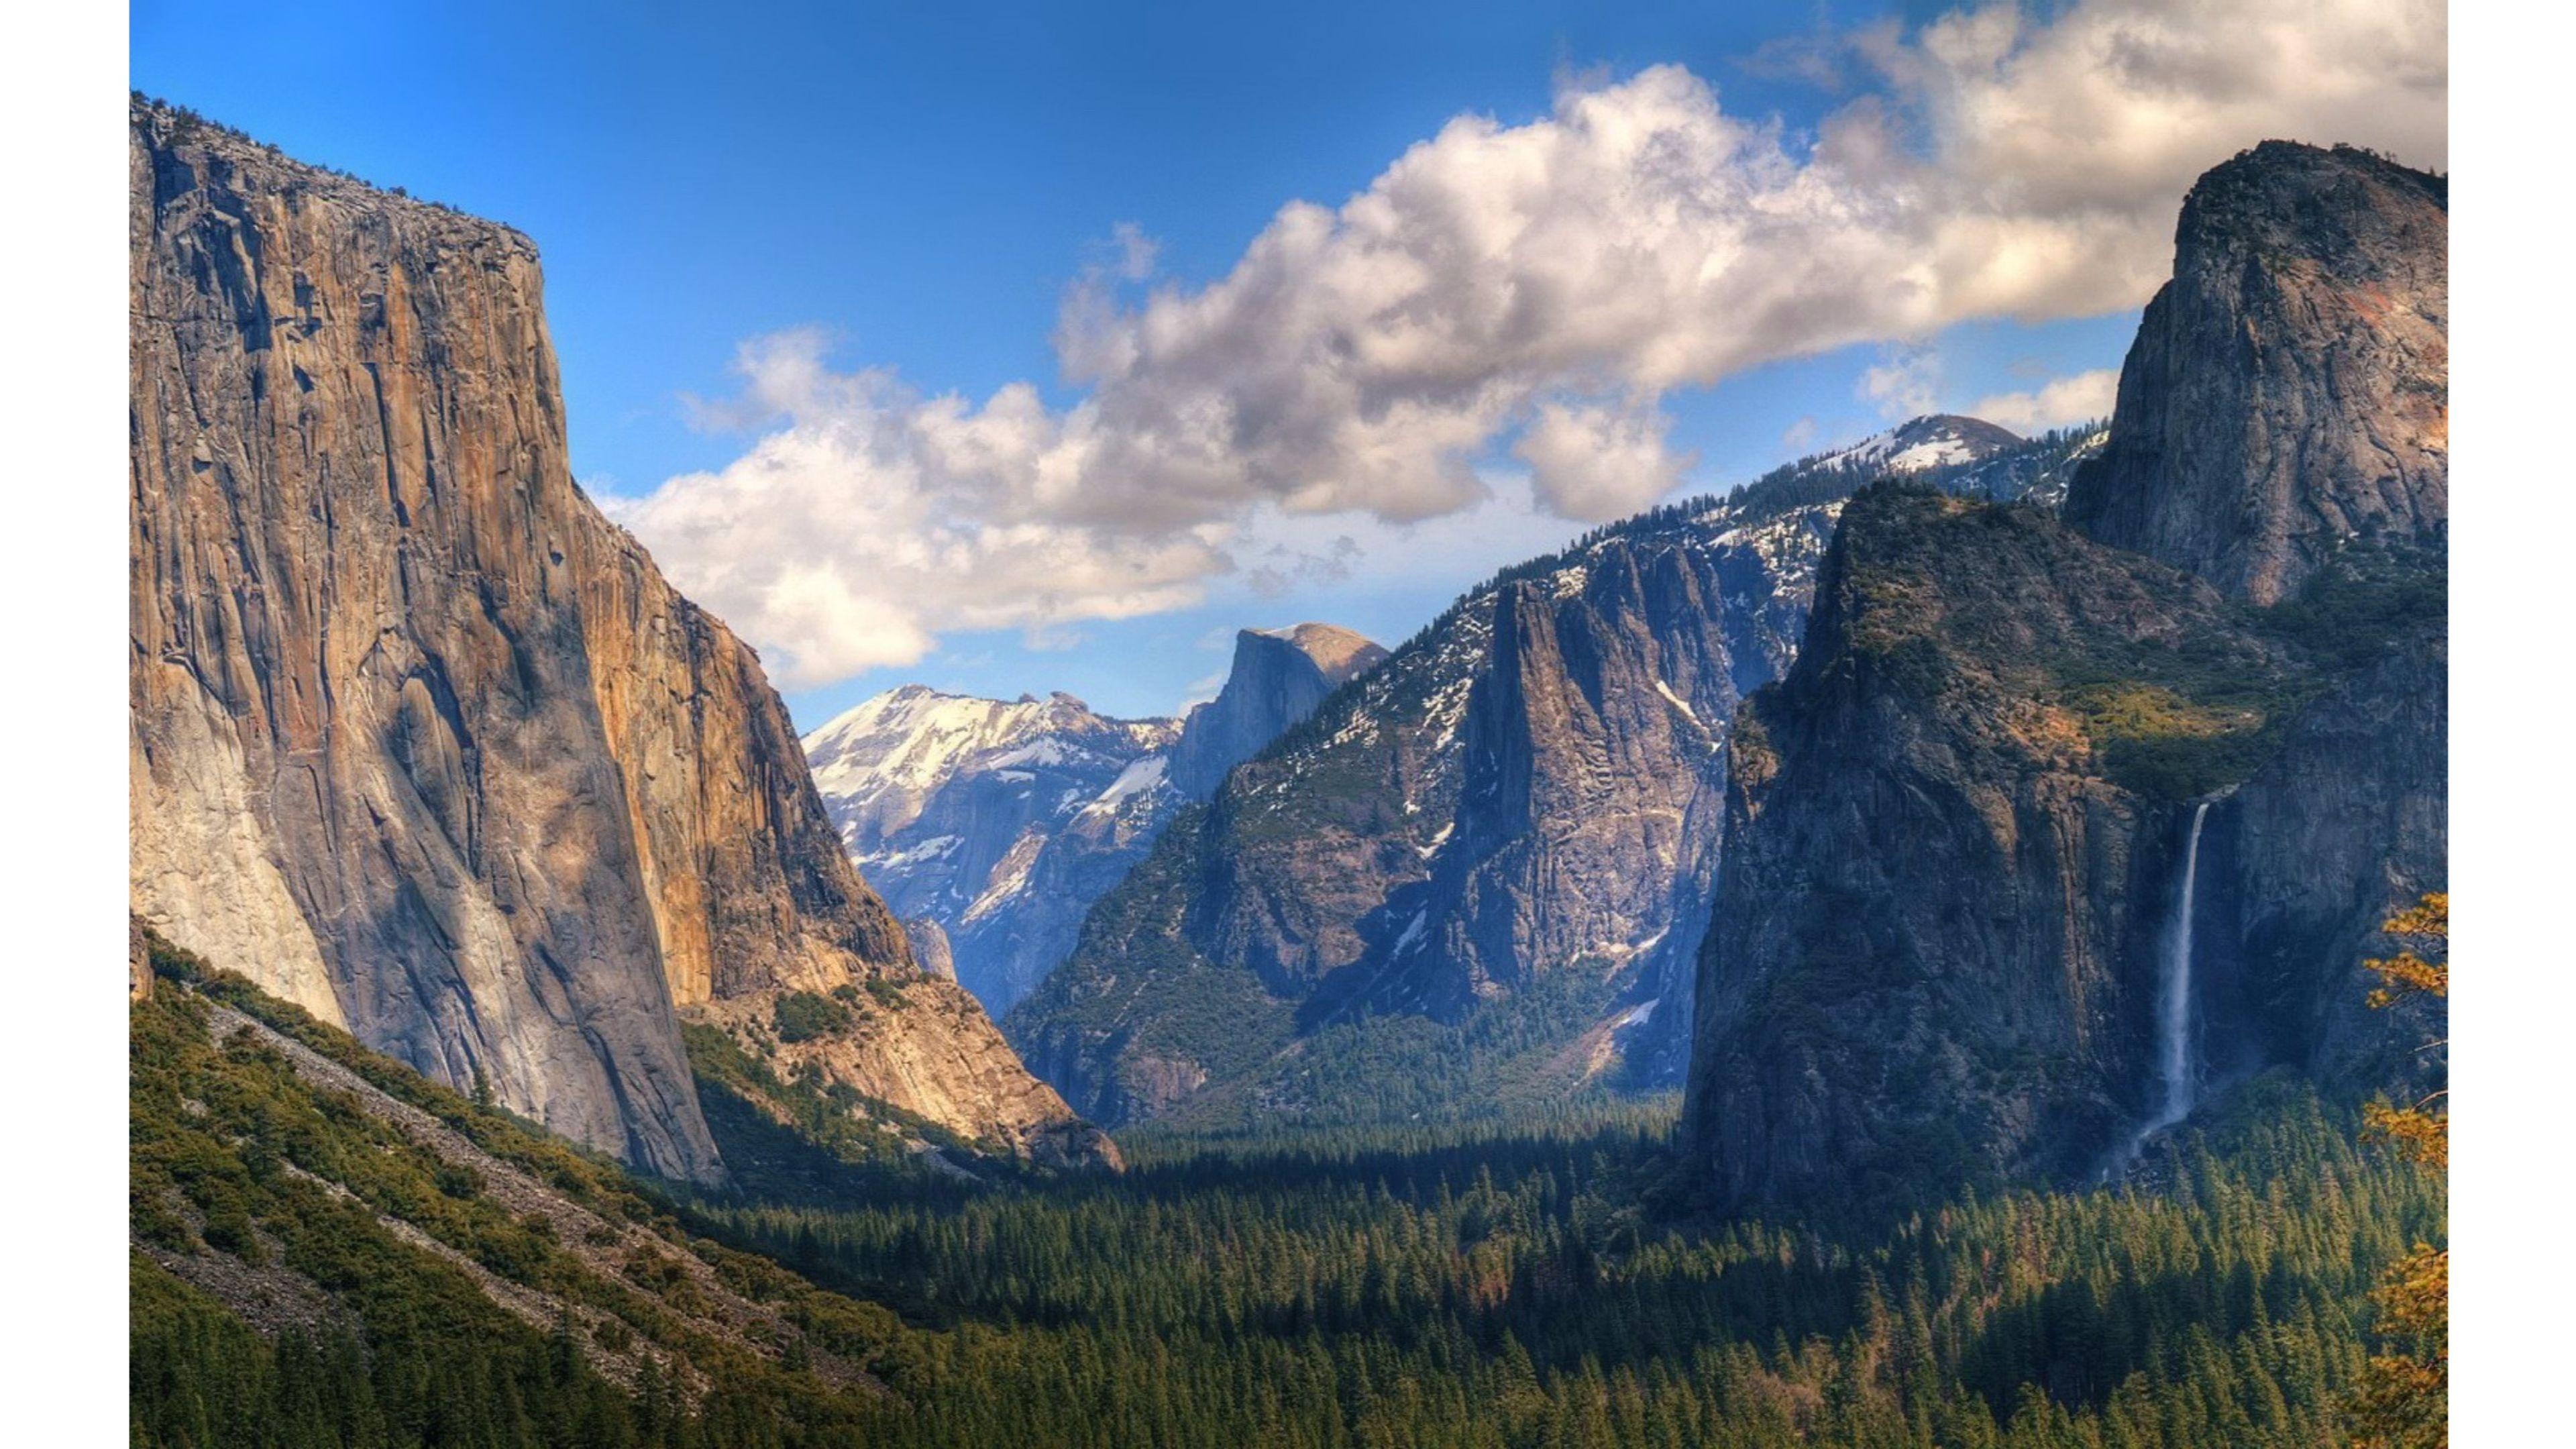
<point>2173,1021</point>
<point>2173,1008</point>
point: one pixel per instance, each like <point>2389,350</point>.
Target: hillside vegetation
<point>330,1250</point>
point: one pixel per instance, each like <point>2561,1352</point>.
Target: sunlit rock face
<point>420,740</point>
<point>2289,391</point>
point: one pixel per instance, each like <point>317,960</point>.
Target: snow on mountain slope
<point>952,807</point>
<point>1938,441</point>
<point>998,822</point>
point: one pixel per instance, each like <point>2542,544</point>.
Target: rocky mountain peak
<point>2288,393</point>
<point>2046,831</point>
<point>1278,677</point>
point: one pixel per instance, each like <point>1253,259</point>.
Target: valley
<point>1881,955</point>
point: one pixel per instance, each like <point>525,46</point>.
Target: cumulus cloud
<point>2060,402</point>
<point>1542,286</point>
<point>1592,462</point>
<point>870,519</point>
<point>1906,385</point>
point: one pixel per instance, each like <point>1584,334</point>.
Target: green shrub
<point>803,1016</point>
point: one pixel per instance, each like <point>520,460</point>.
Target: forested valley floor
<point>1537,1284</point>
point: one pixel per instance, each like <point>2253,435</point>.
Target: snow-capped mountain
<point>1940,440</point>
<point>958,810</point>
<point>994,824</point>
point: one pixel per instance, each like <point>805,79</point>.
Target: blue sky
<point>919,187</point>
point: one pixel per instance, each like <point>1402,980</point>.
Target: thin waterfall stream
<point>2173,1022</point>
<point>2173,1008</point>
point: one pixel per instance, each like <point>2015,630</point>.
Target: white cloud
<point>1599,463</point>
<point>1545,283</point>
<point>1136,251</point>
<point>1906,385</point>
<point>2080,398</point>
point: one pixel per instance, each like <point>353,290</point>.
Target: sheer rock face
<point>1526,793</point>
<point>1277,679</point>
<point>1934,948</point>
<point>420,740</point>
<point>2289,388</point>
<point>2347,823</point>
<point>930,947</point>
<point>1955,832</point>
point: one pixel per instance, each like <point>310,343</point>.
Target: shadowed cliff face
<point>1956,831</point>
<point>2289,389</point>
<point>1950,840</point>
<point>420,741</point>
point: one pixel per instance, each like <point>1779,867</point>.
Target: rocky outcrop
<point>1958,831</point>
<point>1952,832</point>
<point>138,960</point>
<point>930,948</point>
<point>420,741</point>
<point>2289,389</point>
<point>1277,679</point>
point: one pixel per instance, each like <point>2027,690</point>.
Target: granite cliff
<point>1277,679</point>
<point>2289,391</point>
<point>1964,831</point>
<point>424,744</point>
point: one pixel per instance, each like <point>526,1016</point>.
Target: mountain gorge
<point>424,744</point>
<point>992,826</point>
<point>1487,859</point>
<point>2045,804</point>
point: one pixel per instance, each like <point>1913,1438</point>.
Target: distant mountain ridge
<point>1497,844</point>
<point>1919,445</point>
<point>997,823</point>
